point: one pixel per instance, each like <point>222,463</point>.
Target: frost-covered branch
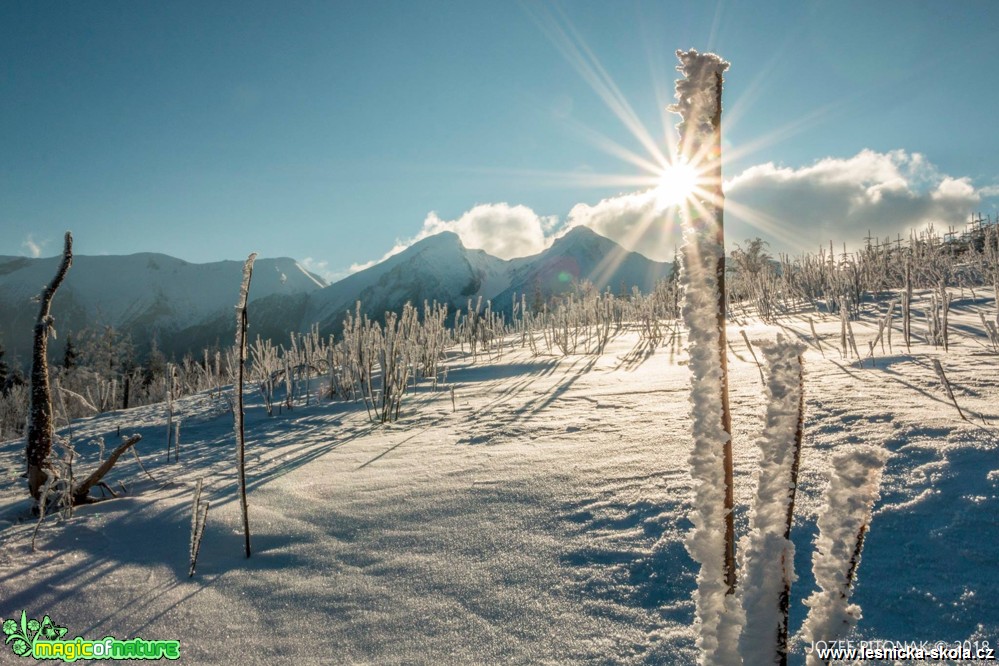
<point>853,489</point>
<point>241,322</point>
<point>768,550</point>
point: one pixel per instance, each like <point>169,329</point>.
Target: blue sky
<point>334,131</point>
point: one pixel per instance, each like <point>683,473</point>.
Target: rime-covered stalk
<point>942,376</point>
<point>712,541</point>
<point>853,489</point>
<point>241,321</point>
<point>768,551</point>
<point>41,430</point>
<point>199,514</point>
<point>169,401</point>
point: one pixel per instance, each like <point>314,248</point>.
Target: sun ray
<point>586,179</point>
<point>670,175</point>
<point>781,133</point>
<point>613,148</point>
<point>574,49</point>
<point>769,225</point>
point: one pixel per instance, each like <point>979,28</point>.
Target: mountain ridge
<point>187,306</point>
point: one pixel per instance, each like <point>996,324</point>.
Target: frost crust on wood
<point>697,96</point>
<point>238,416</point>
<point>41,430</point>
<point>718,610</point>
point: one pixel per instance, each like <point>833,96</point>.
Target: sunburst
<point>672,179</point>
<point>678,182</point>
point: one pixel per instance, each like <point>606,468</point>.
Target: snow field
<point>542,521</point>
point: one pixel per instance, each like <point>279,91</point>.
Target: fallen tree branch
<point>81,492</point>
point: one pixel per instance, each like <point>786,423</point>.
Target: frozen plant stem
<point>938,368</point>
<point>241,322</point>
<point>843,523</point>
<point>199,514</point>
<point>769,553</point>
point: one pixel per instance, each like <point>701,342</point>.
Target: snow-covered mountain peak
<point>188,306</point>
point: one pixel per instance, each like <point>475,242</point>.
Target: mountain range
<point>186,307</point>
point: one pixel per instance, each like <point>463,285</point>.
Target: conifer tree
<point>69,355</point>
<point>4,373</point>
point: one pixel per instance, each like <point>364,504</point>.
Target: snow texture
<point>853,489</point>
<point>540,521</point>
<point>719,614</point>
<point>768,553</point>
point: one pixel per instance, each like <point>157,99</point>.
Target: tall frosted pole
<point>712,541</point>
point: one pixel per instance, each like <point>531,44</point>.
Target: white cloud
<point>500,229</point>
<point>797,209</point>
<point>841,199</point>
<point>34,248</point>
<point>794,209</point>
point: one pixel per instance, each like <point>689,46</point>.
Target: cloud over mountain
<point>794,209</point>
<point>636,221</point>
<point>500,229</point>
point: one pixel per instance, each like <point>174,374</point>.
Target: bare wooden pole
<point>715,175</point>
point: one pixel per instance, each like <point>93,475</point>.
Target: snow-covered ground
<point>541,521</point>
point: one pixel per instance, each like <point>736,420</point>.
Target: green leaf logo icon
<point>49,631</point>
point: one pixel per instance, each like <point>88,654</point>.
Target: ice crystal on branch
<point>853,489</point>
<point>768,550</point>
<point>697,96</point>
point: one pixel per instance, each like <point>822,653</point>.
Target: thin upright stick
<point>241,322</point>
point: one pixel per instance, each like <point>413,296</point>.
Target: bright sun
<point>676,184</point>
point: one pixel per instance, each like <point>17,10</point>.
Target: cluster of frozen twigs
<point>827,281</point>
<point>584,321</point>
<point>379,362</point>
<point>375,361</point>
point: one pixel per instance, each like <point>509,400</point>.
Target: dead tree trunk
<point>41,430</point>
